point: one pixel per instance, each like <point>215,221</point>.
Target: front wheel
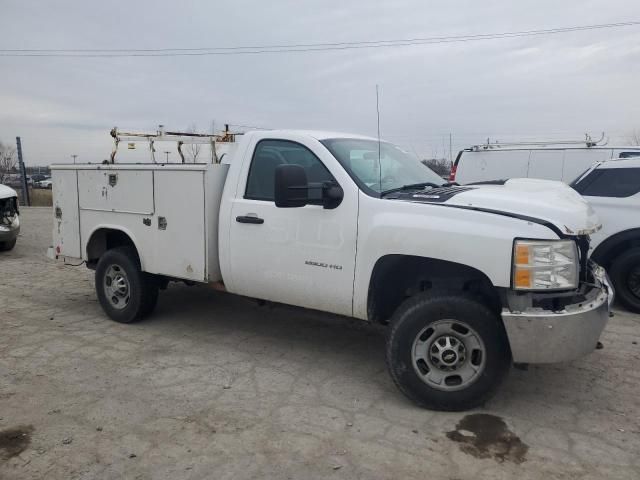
<point>126,293</point>
<point>447,352</point>
<point>625,275</point>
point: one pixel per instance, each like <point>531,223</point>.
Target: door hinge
<point>162,223</point>
<point>58,212</point>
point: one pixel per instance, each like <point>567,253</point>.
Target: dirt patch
<point>14,441</point>
<point>487,436</point>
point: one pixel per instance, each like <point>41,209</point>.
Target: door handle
<point>249,219</point>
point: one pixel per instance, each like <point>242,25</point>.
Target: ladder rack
<point>181,138</point>
<point>588,142</point>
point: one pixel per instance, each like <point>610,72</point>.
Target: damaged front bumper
<point>9,229</point>
<point>541,335</point>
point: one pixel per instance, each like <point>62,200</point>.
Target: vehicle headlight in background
<point>545,265</point>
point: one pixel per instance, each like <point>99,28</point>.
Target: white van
<point>482,163</point>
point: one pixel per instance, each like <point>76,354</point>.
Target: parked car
<point>550,161</point>
<point>9,218</point>
<point>46,183</point>
<point>470,279</point>
<point>613,189</point>
<point>37,177</point>
<point>15,180</point>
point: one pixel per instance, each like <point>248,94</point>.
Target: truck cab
<point>469,279</point>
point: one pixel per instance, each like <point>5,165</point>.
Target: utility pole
<point>74,158</point>
<point>450,148</point>
<point>23,174</point>
<point>167,153</point>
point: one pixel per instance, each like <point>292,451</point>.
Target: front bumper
<point>9,232</point>
<point>538,335</point>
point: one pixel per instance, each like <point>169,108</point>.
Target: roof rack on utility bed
<point>180,138</point>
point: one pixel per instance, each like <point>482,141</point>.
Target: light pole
<point>167,154</point>
<point>74,158</point>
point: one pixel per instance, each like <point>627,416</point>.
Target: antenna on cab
<point>378,115</point>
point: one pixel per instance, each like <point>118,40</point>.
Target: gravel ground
<point>215,386</point>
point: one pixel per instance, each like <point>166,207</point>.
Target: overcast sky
<point>556,86</point>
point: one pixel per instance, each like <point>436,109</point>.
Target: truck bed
<point>169,211</point>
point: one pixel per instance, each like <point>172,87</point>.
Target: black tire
<point>419,315</point>
<point>150,300</point>
<point>625,276</point>
<point>142,289</point>
<point>8,245</point>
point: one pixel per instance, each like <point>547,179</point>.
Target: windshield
<point>395,168</point>
<point>582,176</point>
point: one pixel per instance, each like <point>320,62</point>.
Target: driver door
<point>300,256</point>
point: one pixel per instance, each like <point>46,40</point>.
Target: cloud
<point>558,85</point>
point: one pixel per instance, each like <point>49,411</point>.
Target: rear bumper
<point>544,336</point>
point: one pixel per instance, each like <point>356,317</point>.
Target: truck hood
<point>7,192</point>
<point>551,201</point>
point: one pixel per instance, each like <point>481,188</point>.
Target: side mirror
<point>332,195</point>
<point>291,187</point>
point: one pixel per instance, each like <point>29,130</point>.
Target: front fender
<point>480,240</point>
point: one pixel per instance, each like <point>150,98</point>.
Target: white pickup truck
<point>469,278</point>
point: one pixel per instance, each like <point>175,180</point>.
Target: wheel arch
<point>106,237</point>
<point>614,245</point>
<point>397,277</point>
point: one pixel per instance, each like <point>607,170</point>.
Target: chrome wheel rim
<point>116,287</point>
<point>448,355</point>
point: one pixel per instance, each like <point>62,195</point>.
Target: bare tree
<point>193,149</point>
<point>633,138</point>
<point>8,161</point>
<point>441,166</point>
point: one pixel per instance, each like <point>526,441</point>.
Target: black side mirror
<point>291,187</point>
<point>332,195</point>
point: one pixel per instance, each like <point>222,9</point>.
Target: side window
<point>610,182</point>
<point>629,154</point>
<point>271,153</point>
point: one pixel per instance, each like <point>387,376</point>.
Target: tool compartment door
<point>179,224</point>
<point>116,190</point>
<point>66,219</point>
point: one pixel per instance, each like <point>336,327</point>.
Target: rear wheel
<point>447,352</point>
<point>8,245</point>
<point>625,275</point>
<point>126,294</point>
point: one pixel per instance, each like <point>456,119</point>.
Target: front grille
<point>583,250</point>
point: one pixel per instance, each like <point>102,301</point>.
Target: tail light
<point>452,174</point>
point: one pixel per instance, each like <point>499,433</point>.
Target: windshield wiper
<point>411,186</point>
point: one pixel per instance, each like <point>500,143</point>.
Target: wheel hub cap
<point>447,352</point>
<point>116,286</point>
<point>448,355</point>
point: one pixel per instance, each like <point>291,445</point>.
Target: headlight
<point>545,265</point>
